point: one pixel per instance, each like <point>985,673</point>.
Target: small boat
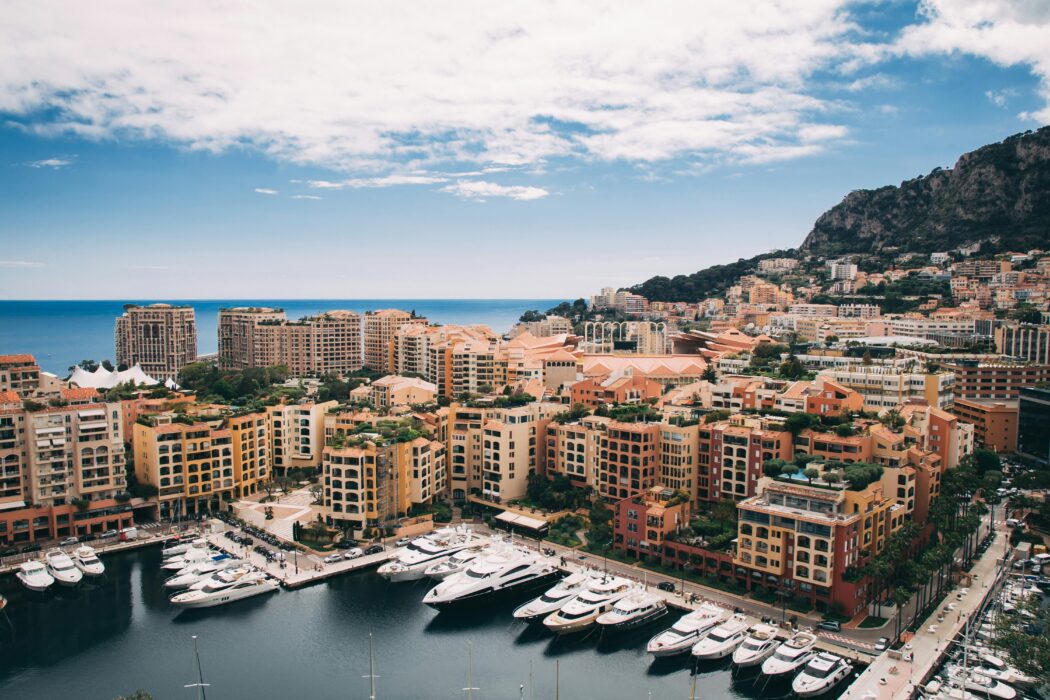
<point>758,646</point>
<point>582,612</point>
<point>687,631</point>
<point>823,672</point>
<point>62,568</point>
<point>34,576</point>
<point>564,591</point>
<point>634,610</point>
<point>248,586</point>
<point>85,559</point>
<point>791,655</point>
<point>722,641</point>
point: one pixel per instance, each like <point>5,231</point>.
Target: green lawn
<point>871,622</point>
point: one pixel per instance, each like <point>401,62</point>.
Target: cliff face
<point>1000,190</point>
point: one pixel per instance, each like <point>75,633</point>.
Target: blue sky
<point>453,151</point>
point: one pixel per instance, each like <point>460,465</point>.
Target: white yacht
<point>85,559</point>
<point>564,591</point>
<point>412,561</point>
<point>994,667</point>
<point>190,575</point>
<point>34,576</point>
<point>177,549</point>
<point>62,568</point>
<point>687,631</point>
<point>791,655</point>
<point>823,672</point>
<point>759,645</point>
<point>192,556</point>
<point>508,571</point>
<point>247,586</point>
<point>722,640</point>
<point>222,578</point>
<point>459,561</point>
<point>582,611</point>
<point>636,609</point>
<point>981,685</point>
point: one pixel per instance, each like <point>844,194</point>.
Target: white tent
<point>102,378</point>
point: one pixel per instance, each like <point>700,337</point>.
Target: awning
<point>11,505</point>
<point>522,520</point>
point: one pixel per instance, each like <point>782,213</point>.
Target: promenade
<point>892,676</point>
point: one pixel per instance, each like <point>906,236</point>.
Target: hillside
<point>999,194</point>
<point>998,190</point>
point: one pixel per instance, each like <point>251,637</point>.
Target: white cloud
<point>384,181</point>
<point>1005,32</point>
<point>53,163</point>
<point>877,81</point>
<point>305,196</point>
<point>266,190</point>
<point>19,264</point>
<point>479,189</point>
<point>433,88</point>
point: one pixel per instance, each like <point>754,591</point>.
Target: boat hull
<point>634,623</point>
<point>32,586</point>
<point>225,599</point>
<point>503,593</point>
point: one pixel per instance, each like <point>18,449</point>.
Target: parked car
<point>9,552</point>
<point>666,586</point>
<point>68,542</point>
<point>403,541</point>
<point>375,549</point>
<point>346,544</point>
<point>88,537</point>
<point>108,533</point>
<point>353,553</point>
<point>830,625</point>
<point>34,547</point>
<point>882,644</point>
<point>333,558</point>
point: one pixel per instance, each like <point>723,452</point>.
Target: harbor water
<point>99,641</point>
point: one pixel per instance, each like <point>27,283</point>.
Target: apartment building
<point>240,346</point>
<point>61,468</point>
<point>642,523</point>
<point>20,374</point>
<point>329,343</point>
<point>198,466</point>
<point>777,265</point>
<point>544,328</point>
<point>393,391</point>
<point>1033,424</point>
<point>923,327</point>
<point>456,359</point>
<point>296,435</point>
<point>983,381</point>
<point>615,389</point>
<point>731,454</point>
<point>982,269</point>
<point>1024,342</point>
<point>887,386</point>
<point>160,338</point>
<point>369,483</point>
<point>381,328</point>
<point>935,430</point>
<point>994,422</point>
<point>628,459</point>
<point>573,449</point>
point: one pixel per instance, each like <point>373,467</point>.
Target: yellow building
<point>296,433</point>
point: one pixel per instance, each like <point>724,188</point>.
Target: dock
<point>145,538</point>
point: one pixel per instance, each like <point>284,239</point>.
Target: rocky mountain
<point>998,191</point>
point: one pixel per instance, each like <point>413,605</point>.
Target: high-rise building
<point>381,327</point>
<point>296,433</point>
<point>1024,341</point>
<point>240,347</point>
<point>1033,424</point>
<point>329,343</point>
<point>160,338</point>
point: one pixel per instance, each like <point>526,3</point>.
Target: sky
<point>238,149</point>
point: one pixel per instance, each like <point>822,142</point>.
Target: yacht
<point>413,560</point>
<point>722,640</point>
<point>62,568</point>
<point>636,609</point>
<point>981,685</point>
<point>759,645</point>
<point>178,548</point>
<point>564,591</point>
<point>222,578</point>
<point>823,672</point>
<point>791,655</point>
<point>459,561</point>
<point>193,556</point>
<point>34,576</point>
<point>247,586</point>
<point>190,575</point>
<point>85,559</point>
<point>509,571</point>
<point>582,611</point>
<point>994,667</point>
<point>687,631</point>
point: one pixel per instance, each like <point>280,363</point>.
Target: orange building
<point>994,422</point>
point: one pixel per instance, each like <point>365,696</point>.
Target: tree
<point>985,460</point>
<point>831,340</point>
<point>723,512</point>
<point>791,368</point>
<point>788,469</point>
<point>833,477</point>
<point>811,473</point>
<point>600,532</point>
<point>771,467</point>
<point>797,422</point>
<point>1027,646</point>
<point>709,374</point>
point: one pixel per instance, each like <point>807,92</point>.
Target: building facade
<point>160,338</point>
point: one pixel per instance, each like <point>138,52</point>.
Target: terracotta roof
<point>9,397</point>
<point>79,393</point>
<point>23,359</point>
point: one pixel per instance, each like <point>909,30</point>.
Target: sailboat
<point>371,670</point>
<point>200,685</point>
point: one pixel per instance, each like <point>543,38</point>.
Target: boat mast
<point>371,670</point>
<point>200,685</point>
<point>469,690</point>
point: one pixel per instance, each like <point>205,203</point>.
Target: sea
<point>62,333</point>
<point>106,639</point>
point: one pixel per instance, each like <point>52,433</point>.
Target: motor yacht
<point>582,612</point>
<point>791,655</point>
<point>225,578</point>
<point>192,556</point>
<point>190,575</point>
<point>823,672</point>
<point>34,576</point>
<point>85,559</point>
<point>564,591</point>
<point>459,561</point>
<point>509,571</point>
<point>981,685</point>
<point>251,584</point>
<point>687,631</point>
<point>994,667</point>
<point>412,561</point>
<point>62,568</point>
<point>634,610</point>
<point>178,548</point>
<point>758,646</point>
<point>722,640</point>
